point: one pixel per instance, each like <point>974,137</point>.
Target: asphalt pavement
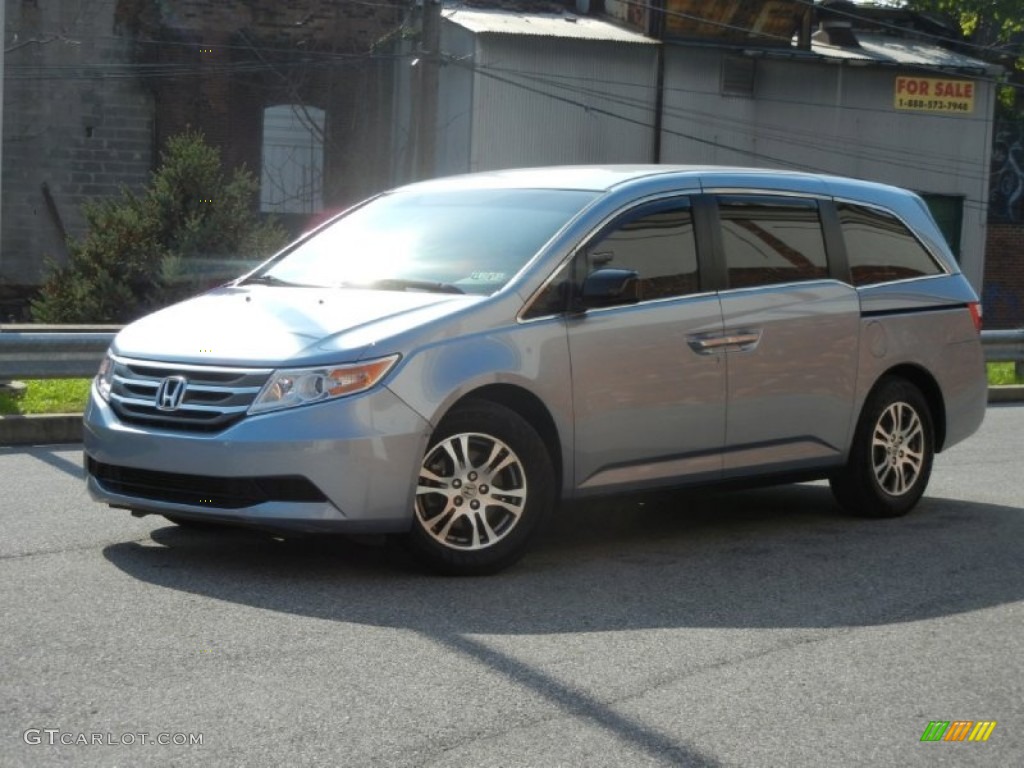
<point>759,628</point>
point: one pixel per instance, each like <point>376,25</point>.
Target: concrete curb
<point>67,427</point>
<point>41,429</point>
<point>1009,393</point>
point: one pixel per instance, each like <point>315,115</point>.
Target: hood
<point>268,326</point>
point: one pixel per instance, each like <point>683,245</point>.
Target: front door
<point>648,390</point>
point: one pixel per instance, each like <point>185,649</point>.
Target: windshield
<point>455,241</point>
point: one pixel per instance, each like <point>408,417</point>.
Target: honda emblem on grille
<point>170,393</point>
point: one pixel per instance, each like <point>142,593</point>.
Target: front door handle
<point>738,341</point>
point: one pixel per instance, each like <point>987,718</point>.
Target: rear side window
<point>659,245</point>
<point>771,240</point>
<point>880,248</point>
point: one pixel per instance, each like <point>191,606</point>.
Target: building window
<point>291,179</point>
<point>738,76</point>
<point>948,211</point>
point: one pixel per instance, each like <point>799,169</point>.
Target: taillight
<point>975,307</point>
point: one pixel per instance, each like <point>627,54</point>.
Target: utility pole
<point>3,37</point>
<point>427,85</point>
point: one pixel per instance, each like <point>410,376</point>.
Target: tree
<point>995,31</point>
<point>145,251</point>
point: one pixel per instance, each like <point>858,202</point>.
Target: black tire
<point>486,485</point>
<point>892,452</point>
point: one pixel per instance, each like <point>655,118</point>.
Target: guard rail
<point>75,351</point>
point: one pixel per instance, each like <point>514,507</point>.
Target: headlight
<point>289,387</point>
<point>105,377</point>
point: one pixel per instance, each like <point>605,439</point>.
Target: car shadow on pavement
<point>51,455</point>
<point>776,558</point>
<point>769,558</point>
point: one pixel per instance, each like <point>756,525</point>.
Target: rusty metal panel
<point>757,22</point>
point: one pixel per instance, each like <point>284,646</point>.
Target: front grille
<point>201,490</point>
<point>214,399</point>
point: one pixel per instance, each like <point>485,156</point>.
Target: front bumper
<point>356,460</point>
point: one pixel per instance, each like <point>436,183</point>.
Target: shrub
<point>192,227</point>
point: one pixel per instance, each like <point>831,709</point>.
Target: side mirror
<point>610,286</point>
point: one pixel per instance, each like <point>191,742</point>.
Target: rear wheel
<point>891,456</point>
<point>485,485</point>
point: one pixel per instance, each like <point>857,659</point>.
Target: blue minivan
<point>448,360</point>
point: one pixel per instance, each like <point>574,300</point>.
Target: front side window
<point>771,240</point>
<point>880,248</point>
<point>460,241</point>
<point>658,245</point>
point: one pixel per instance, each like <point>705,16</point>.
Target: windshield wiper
<point>401,284</point>
<point>271,280</point>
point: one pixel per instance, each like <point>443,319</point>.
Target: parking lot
<point>758,628</point>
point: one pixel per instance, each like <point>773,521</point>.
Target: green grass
<point>1002,373</point>
<point>47,396</point>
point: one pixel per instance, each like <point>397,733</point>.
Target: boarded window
<point>880,248</point>
<point>738,76</point>
<point>291,178</point>
<point>771,240</point>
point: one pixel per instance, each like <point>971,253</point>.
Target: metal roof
<point>877,49</point>
<point>564,25</point>
<point>904,52</point>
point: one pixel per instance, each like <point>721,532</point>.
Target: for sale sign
<point>932,94</point>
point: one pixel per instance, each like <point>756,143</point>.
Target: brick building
<point>1003,296</point>
<point>297,91</point>
<point>74,127</point>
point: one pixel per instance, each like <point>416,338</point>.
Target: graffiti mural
<point>1003,305</point>
<point>1006,191</point>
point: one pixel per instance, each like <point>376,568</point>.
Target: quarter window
<point>880,248</point>
<point>659,245</point>
<point>771,240</point>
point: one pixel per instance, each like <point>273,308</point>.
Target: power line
<point>780,133</point>
<point>969,202</point>
<point>813,5</point>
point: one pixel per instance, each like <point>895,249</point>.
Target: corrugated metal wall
<point>455,100</point>
<point>402,131</point>
<point>830,118</point>
<point>515,100</point>
<point>546,101</point>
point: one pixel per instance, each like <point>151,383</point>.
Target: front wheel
<point>891,456</point>
<point>485,485</point>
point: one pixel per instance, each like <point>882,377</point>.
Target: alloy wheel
<point>471,491</point>
<point>898,449</point>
